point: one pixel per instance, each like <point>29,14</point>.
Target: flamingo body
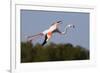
<point>48,33</point>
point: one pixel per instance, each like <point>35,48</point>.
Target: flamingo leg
<point>30,38</point>
<point>34,35</point>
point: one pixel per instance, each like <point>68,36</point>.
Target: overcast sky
<point>33,22</point>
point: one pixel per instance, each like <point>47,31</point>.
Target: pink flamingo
<point>48,33</point>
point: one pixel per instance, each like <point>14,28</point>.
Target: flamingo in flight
<point>51,30</point>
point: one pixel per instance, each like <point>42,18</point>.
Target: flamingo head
<point>71,26</point>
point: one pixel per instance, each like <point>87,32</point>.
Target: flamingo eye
<point>73,26</point>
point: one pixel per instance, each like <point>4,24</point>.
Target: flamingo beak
<point>73,26</point>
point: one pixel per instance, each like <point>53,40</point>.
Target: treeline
<point>52,52</point>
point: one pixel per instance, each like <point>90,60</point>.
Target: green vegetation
<point>52,52</point>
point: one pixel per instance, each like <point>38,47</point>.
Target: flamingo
<point>51,30</point>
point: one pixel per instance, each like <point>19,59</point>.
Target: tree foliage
<point>52,52</point>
